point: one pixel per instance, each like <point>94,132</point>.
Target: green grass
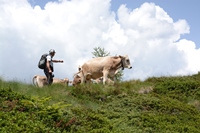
<point>156,105</point>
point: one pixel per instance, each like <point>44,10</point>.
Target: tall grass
<point>158,104</point>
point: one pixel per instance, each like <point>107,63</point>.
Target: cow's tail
<point>35,81</point>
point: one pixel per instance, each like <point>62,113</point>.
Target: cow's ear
<point>121,56</point>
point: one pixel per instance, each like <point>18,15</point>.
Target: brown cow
<point>103,66</point>
<point>41,81</point>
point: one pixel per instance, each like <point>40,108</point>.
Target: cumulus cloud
<point>73,28</point>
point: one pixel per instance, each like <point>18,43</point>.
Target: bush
<point>19,113</point>
<point>172,105</point>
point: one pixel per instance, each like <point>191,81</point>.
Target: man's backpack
<point>42,62</point>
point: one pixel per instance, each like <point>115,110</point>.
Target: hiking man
<point>48,70</point>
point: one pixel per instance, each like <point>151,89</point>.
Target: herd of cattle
<point>95,70</point>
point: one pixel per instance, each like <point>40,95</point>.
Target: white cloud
<point>191,56</point>
<point>73,28</point>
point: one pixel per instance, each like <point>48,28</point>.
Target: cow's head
<point>66,80</point>
<point>125,62</point>
<point>77,80</point>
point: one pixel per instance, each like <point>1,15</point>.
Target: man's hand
<point>50,71</point>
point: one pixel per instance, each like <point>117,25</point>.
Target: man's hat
<point>51,51</point>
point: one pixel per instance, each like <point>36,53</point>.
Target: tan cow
<point>77,80</point>
<point>41,81</point>
<point>100,80</point>
<point>103,67</point>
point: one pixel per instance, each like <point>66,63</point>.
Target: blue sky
<point>160,37</point>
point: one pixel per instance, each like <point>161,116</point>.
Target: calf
<point>77,80</point>
<point>41,81</point>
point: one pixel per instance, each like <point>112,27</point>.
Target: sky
<point>160,37</point>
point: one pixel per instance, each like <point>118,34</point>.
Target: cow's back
<point>96,66</point>
<point>39,81</point>
<point>35,80</point>
<point>62,81</point>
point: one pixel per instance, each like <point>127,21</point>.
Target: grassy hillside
<point>156,105</point>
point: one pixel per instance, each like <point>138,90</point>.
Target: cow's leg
<point>88,81</point>
<point>83,78</point>
<point>111,82</point>
<point>105,76</point>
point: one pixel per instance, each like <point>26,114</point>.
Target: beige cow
<point>100,80</point>
<point>103,67</point>
<point>77,80</point>
<point>41,81</point>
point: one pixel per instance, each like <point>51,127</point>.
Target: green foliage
<point>100,52</point>
<point>19,113</point>
<point>156,105</point>
<point>186,87</point>
<point>119,76</point>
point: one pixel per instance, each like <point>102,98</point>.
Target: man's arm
<point>61,61</point>
<point>48,66</point>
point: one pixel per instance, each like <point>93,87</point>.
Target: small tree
<point>100,52</point>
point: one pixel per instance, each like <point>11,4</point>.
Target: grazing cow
<point>77,80</point>
<point>41,81</point>
<point>100,80</point>
<point>103,66</point>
